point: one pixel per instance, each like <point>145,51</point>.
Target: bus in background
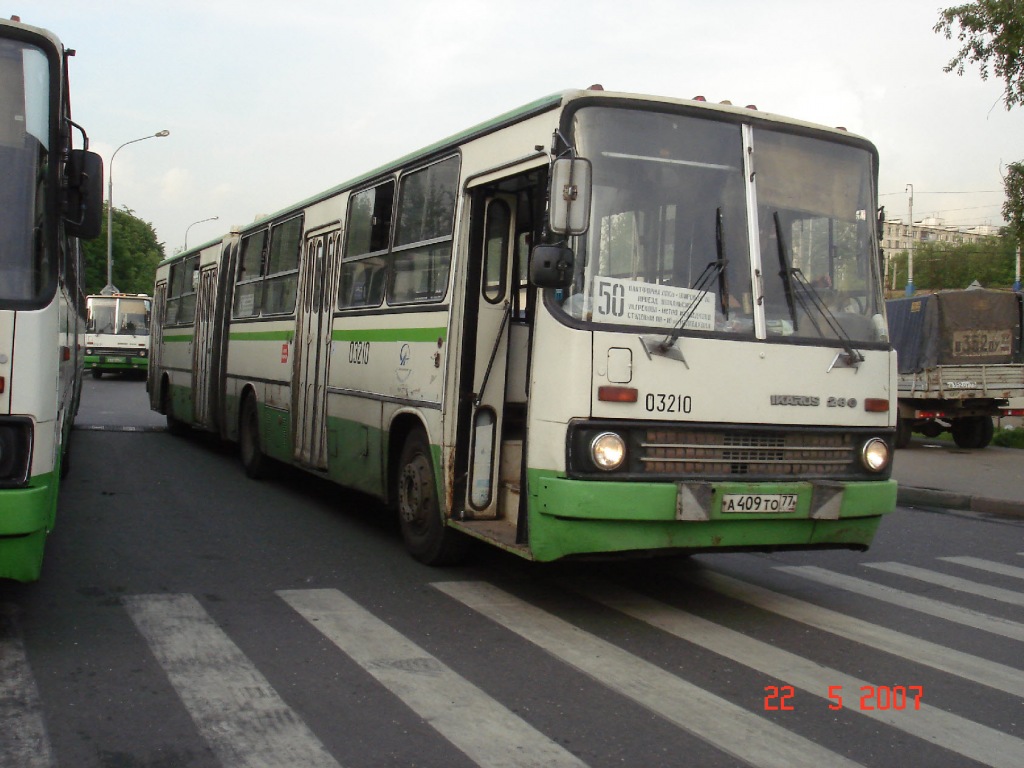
<point>50,196</point>
<point>601,323</point>
<point>117,333</point>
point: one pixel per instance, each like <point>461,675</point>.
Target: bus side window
<point>283,267</point>
<point>249,291</point>
<point>367,238</point>
<point>422,252</point>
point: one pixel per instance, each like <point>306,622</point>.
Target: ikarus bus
<point>117,333</point>
<point>50,195</point>
<point>600,324</point>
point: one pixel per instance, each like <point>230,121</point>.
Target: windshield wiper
<point>785,272</point>
<point>703,285</point>
<point>809,298</point>
<point>723,276</point>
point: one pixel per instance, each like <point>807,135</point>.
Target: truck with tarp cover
<point>961,363</point>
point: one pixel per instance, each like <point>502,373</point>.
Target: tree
<point>941,266</point>
<point>136,254</point>
<point>991,34</point>
<point>1013,208</point>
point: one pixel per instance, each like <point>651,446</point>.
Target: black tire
<point>972,432</point>
<point>903,432</point>
<point>426,536</point>
<point>175,426</point>
<point>97,373</point>
<point>254,461</point>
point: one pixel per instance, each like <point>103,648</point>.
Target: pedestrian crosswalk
<point>601,629</point>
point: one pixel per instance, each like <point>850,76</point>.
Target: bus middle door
<point>313,319</point>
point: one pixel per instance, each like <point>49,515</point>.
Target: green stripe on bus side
<point>170,338</point>
<point>390,334</point>
<point>262,335</point>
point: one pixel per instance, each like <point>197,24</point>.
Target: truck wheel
<point>426,536</point>
<point>902,432</point>
<point>972,432</point>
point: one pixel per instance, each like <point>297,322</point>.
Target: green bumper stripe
<point>390,334</point>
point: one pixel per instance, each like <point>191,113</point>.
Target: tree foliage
<point>1013,207</point>
<point>991,34</point>
<point>940,266</point>
<point>136,254</point>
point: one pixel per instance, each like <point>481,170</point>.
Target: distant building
<point>896,234</point>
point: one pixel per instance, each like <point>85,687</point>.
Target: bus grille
<point>696,452</point>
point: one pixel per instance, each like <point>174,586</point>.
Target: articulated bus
<point>50,195</point>
<point>117,333</point>
<point>601,323</point>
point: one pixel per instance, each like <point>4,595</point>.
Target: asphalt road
<point>188,616</point>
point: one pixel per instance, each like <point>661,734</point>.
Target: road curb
<point>930,497</point>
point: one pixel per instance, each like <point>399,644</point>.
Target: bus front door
<point>493,245</point>
<point>311,348</point>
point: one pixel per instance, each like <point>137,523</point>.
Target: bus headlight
<point>608,451</point>
<point>875,454</point>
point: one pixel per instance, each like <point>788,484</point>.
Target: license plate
<point>114,359</point>
<point>759,502</point>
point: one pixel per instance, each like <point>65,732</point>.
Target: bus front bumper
<point>576,517</point>
<point>25,520</point>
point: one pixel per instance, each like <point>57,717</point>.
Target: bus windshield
<point>119,316</point>
<point>24,144</point>
<point>683,239</point>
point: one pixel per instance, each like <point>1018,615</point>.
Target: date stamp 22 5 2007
<point>871,697</point>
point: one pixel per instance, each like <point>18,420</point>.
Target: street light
<point>910,250</point>
<point>212,218</point>
<point>109,287</point>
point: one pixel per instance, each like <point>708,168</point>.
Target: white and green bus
<point>601,323</point>
<point>117,333</point>
<point>50,195</point>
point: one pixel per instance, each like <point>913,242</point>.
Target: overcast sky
<point>271,102</point>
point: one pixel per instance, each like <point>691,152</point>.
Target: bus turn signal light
<point>617,394</point>
<point>876,405</point>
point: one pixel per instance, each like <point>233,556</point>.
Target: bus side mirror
<point>83,196</point>
<point>570,196</point>
<point>551,266</point>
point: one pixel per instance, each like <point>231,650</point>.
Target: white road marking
<point>240,715</point>
<point>976,619</point>
<point>732,729</point>
<point>489,733</point>
<point>967,666</point>
<point>945,729</point>
<point>951,582</point>
<point>23,739</point>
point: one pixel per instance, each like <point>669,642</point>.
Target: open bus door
<point>489,299</point>
<point>314,311</point>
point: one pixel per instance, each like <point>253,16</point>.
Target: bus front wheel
<point>253,459</point>
<point>426,536</point>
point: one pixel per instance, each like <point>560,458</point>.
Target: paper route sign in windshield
<point>628,302</point>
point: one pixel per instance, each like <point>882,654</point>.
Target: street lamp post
<point>109,287</point>
<point>910,250</point>
<point>212,218</point>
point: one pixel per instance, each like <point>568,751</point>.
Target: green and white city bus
<point>117,333</point>
<point>601,323</point>
<point>50,195</point>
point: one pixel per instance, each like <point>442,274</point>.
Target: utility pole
<point>910,251</point>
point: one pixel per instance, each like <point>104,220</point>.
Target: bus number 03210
<point>668,403</point>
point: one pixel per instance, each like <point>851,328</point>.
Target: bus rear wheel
<point>254,461</point>
<point>426,536</point>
